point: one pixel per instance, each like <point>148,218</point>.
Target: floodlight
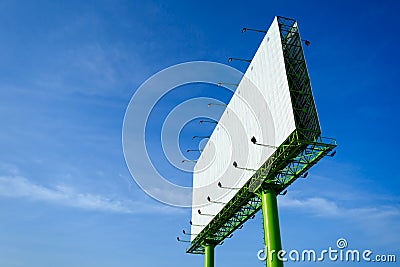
<point>254,141</point>
<point>306,42</point>
<point>240,227</point>
<point>199,136</point>
<point>283,193</point>
<point>180,240</point>
<point>242,168</point>
<point>187,160</point>
<point>191,223</point>
<point>216,104</point>
<point>305,175</point>
<point>184,232</point>
<point>220,186</point>
<point>253,30</point>
<point>199,211</point>
<point>194,150</point>
<point>209,121</point>
<point>221,83</point>
<point>238,59</point>
<point>333,153</point>
<point>213,201</point>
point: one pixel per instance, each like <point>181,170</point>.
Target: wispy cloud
<point>378,222</point>
<point>20,187</point>
<point>315,205</point>
<point>320,206</point>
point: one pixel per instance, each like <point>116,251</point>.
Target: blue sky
<point>68,71</point>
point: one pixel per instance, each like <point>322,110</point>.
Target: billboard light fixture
<point>306,42</point>
<point>223,83</point>
<point>185,233</point>
<point>194,150</point>
<point>237,167</point>
<point>199,211</point>
<point>187,160</point>
<point>240,227</point>
<point>254,141</point>
<point>191,223</point>
<point>216,104</point>
<point>253,30</point>
<point>213,201</point>
<point>283,193</point>
<point>332,154</point>
<point>304,175</point>
<point>180,240</point>
<point>209,121</point>
<point>238,59</point>
<point>201,137</point>
<point>220,186</point>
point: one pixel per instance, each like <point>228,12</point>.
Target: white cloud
<point>20,187</point>
<point>378,222</point>
<point>315,205</point>
<point>320,206</point>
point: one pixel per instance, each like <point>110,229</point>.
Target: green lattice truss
<point>302,149</point>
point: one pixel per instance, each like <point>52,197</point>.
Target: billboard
<point>264,111</point>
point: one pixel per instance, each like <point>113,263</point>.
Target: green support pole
<point>209,255</point>
<point>272,236</point>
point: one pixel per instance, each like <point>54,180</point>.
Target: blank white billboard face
<point>261,107</point>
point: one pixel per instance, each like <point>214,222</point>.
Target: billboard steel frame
<point>300,151</point>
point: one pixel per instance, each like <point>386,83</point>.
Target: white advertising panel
<point>260,107</point>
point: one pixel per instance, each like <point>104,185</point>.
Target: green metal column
<point>272,236</point>
<point>209,255</point>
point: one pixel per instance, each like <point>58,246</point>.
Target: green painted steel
<point>272,236</point>
<point>209,255</point>
<point>292,159</point>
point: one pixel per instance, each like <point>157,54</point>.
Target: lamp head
<point>253,140</point>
